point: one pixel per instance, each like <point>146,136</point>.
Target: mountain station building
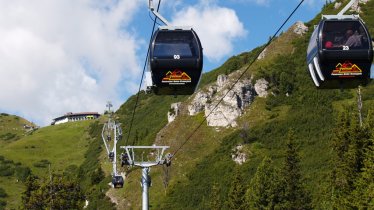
<point>73,117</point>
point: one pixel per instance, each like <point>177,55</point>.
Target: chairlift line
<point>112,132</point>
<point>129,158</point>
<point>105,138</point>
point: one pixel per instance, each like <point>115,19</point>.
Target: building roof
<point>71,114</point>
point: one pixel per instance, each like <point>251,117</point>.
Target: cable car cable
<point>149,14</point>
<point>246,69</point>
<point>141,80</point>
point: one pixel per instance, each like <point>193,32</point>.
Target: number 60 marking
<point>177,57</point>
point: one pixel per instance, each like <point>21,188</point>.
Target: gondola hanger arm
<point>158,15</point>
<point>345,9</point>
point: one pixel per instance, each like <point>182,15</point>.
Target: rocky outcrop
<point>300,28</point>
<point>174,111</point>
<point>337,5</point>
<point>238,156</point>
<point>356,6</point>
<point>221,80</point>
<point>198,103</point>
<point>262,54</point>
<point>261,87</point>
<point>224,115</point>
<point>231,106</point>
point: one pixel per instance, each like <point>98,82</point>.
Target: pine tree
<point>264,191</point>
<point>29,200</point>
<point>349,144</point>
<point>364,192</point>
<point>58,193</point>
<point>63,193</point>
<point>364,186</point>
<point>295,195</point>
<point>236,198</point>
<point>97,176</point>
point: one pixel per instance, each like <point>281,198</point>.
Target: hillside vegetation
<point>12,128</point>
<point>205,160</point>
<point>304,147</point>
<point>50,149</point>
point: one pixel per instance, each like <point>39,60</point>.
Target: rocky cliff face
<point>355,7</point>
<point>261,88</point>
<point>174,111</point>
<point>300,28</point>
<point>233,102</point>
<point>238,155</point>
<point>262,55</point>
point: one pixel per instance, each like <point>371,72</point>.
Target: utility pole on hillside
<point>111,134</point>
<point>133,160</point>
<point>109,105</point>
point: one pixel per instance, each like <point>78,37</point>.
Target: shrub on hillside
<point>3,193</point>
<point>22,172</point>
<point>71,171</point>
<point>2,205</point>
<point>97,176</point>
<point>6,170</point>
<point>8,136</point>
<point>42,163</point>
<point>5,161</point>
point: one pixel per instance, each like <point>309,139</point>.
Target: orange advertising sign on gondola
<point>176,77</point>
<point>347,69</point>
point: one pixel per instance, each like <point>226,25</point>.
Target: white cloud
<point>60,56</point>
<point>216,26</point>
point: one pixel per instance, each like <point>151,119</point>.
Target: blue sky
<point>73,56</point>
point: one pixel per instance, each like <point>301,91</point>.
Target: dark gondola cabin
<point>117,181</point>
<point>340,53</point>
<point>111,156</point>
<point>176,61</point>
<point>124,159</point>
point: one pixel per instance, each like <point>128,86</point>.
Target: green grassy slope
<point>60,145</point>
<point>11,128</point>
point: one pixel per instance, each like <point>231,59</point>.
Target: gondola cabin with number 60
<point>340,53</point>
